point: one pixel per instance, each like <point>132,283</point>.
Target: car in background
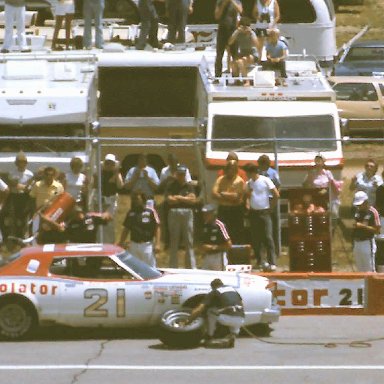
<point>360,101</point>
<point>43,8</point>
<point>362,58</point>
<point>100,285</point>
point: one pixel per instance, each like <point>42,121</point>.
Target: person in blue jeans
<point>149,25</point>
<point>93,9</point>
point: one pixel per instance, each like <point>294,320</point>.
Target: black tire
<point>18,319</point>
<point>173,335</point>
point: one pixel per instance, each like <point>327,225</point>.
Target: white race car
<point>96,285</point>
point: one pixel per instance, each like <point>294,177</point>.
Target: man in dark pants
<point>222,305</point>
<point>178,11</point>
<point>258,190</point>
<point>149,24</point>
<point>226,13</point>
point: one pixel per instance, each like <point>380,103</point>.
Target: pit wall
<point>329,293</point>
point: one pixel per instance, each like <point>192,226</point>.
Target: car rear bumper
<point>270,315</point>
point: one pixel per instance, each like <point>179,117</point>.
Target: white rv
<point>45,99</point>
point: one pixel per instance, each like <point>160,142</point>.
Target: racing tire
<point>18,319</point>
<point>172,334</point>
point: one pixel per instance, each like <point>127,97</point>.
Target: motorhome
<point>45,99</point>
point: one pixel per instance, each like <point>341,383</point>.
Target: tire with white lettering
<point>18,318</point>
<point>173,333</point>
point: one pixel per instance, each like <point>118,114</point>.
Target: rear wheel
<point>173,333</point>
<point>17,319</point>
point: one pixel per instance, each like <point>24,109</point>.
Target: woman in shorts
<point>245,43</point>
<point>65,10</point>
<point>267,15</point>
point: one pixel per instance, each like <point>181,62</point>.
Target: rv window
<point>252,130</point>
<point>147,91</point>
<point>42,145</point>
<point>296,11</point>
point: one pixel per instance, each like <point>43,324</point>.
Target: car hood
<point>360,68</point>
<point>198,276</point>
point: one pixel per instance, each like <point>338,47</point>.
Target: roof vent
<point>64,72</point>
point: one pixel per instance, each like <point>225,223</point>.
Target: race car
<point>99,285</point>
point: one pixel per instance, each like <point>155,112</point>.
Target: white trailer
<point>47,96</point>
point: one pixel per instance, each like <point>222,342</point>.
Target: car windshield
<point>365,54</point>
<point>142,269</point>
<point>301,135</point>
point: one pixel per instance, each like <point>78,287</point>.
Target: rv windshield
<point>301,132</point>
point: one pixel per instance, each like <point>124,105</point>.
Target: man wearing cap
<point>144,225</point>
<point>111,182</point>
<point>215,240</point>
<point>365,227</point>
<point>222,305</point>
<point>181,199</point>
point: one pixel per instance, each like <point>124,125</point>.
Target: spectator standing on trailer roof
<point>14,12</point>
<point>178,11</point>
<point>267,15</point>
<point>226,14</point>
<point>93,9</point>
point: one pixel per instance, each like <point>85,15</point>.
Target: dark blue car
<point>363,58</point>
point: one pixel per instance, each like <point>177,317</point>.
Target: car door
<point>360,104</point>
<point>112,297</point>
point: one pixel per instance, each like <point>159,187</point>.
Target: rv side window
<point>296,11</point>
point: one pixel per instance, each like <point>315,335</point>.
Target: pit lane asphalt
<point>301,349</point>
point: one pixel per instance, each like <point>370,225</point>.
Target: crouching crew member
<point>222,305</point>
<point>144,224</point>
<point>366,226</point>
<point>215,241</point>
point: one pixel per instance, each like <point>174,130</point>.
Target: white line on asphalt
<point>193,367</point>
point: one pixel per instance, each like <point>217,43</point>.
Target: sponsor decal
<point>148,295</point>
<point>321,293</point>
<point>35,289</point>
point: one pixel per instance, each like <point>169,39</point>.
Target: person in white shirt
<point>76,182</point>
<point>142,178</point>
<point>258,191</point>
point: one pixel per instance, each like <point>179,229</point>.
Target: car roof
<point>72,250</point>
<point>356,79</point>
<point>368,43</point>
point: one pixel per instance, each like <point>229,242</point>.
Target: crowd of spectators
<point>244,46</point>
<point>244,209</point>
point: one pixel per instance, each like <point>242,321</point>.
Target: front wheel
<point>173,333</point>
<point>17,320</point>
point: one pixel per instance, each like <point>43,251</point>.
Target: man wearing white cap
<point>366,226</point>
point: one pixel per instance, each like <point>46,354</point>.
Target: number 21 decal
<point>100,298</point>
